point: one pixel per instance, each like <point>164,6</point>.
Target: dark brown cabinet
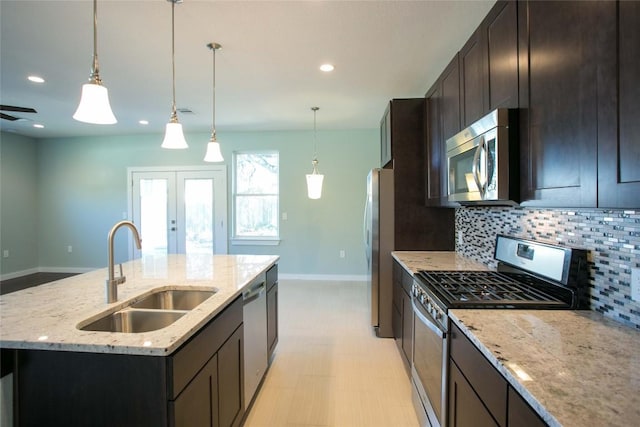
<point>472,78</point>
<point>386,153</point>
<point>416,226</point>
<point>200,384</point>
<point>435,178</point>
<point>500,45</point>
<point>272,310</point>
<point>450,99</point>
<point>561,95</point>
<point>619,127</point>
<point>478,394</point>
<point>403,313</point>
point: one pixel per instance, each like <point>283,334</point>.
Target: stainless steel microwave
<point>482,161</point>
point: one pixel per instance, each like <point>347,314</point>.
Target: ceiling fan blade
<point>8,117</point>
<point>17,109</point>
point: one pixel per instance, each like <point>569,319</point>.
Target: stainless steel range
<point>530,275</point>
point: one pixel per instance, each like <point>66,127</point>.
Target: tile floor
<point>329,368</point>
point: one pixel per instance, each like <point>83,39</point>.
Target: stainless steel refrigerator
<point>379,242</point>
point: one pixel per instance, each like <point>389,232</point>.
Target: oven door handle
<point>476,168</point>
<point>427,322</point>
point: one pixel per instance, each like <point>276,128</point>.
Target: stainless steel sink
<point>133,321</point>
<point>175,299</point>
<point>155,311</point>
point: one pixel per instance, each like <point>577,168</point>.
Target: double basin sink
<point>154,311</point>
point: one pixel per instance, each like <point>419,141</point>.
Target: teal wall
<point>82,190</point>
<point>18,203</point>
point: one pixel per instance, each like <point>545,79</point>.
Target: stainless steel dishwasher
<point>255,336</point>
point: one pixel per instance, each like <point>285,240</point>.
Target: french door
<point>179,210</point>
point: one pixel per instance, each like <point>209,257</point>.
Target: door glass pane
<point>153,216</point>
<point>198,213</point>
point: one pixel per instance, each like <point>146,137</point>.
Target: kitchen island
<point>188,371</point>
<point>571,367</point>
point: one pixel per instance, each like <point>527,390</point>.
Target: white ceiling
<point>267,75</point>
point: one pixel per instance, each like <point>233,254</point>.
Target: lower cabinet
<point>402,318</point>
<point>272,310</point>
<point>200,384</point>
<point>479,395</point>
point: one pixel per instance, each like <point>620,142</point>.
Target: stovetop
<point>490,289</point>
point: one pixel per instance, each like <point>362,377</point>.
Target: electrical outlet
<point>5,253</point>
<point>342,253</point>
<point>69,249</point>
<point>635,284</point>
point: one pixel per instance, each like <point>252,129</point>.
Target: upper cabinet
<point>619,127</point>
<point>571,68</point>
<point>386,155</point>
<point>560,97</point>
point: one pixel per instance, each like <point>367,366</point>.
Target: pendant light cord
<point>315,138</point>
<point>174,116</point>
<point>94,77</point>
<point>213,114</point>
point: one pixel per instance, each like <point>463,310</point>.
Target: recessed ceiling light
<point>326,67</point>
<point>35,79</point>
<point>143,122</point>
<point>38,125</point>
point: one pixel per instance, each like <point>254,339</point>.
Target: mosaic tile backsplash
<point>612,238</point>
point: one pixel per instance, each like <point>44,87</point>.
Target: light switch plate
<point>635,284</point>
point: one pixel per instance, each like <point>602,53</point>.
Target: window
<point>255,196</point>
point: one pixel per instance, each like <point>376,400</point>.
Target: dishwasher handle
<point>253,293</point>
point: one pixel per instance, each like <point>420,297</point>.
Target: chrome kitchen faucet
<point>113,282</point>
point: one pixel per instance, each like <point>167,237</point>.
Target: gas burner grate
<point>464,288</point>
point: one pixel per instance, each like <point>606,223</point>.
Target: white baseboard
<point>325,277</point>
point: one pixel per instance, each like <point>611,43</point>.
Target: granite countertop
<point>575,368</point>
<point>413,261</point>
<point>45,317</point>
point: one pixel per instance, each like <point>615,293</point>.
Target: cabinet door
<point>619,148</point>
<point>436,164</point>
<point>473,78</point>
<point>465,407</point>
<point>272,319</point>
<point>450,103</point>
<point>560,97</point>
<point>197,404</point>
<point>501,41</point>
<point>386,153</point>
<point>231,380</point>
<point>520,414</point>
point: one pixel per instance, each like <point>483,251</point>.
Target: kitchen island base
<point>201,383</point>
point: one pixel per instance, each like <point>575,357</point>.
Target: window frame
<point>253,240</point>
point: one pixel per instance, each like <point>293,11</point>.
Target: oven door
<point>429,367</point>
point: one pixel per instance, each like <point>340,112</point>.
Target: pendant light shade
<point>173,136</point>
<point>213,153</point>
<point>94,104</point>
<point>314,179</point>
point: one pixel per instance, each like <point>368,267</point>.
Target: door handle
<point>475,170</point>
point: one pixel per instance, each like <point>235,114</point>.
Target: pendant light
<point>94,104</point>
<point>213,153</point>
<point>314,179</point>
<point>174,137</point>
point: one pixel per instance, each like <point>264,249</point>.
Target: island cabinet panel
<point>272,310</point>
<point>200,384</point>
<point>619,145</point>
<point>89,389</point>
<point>198,403</point>
<point>562,92</point>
